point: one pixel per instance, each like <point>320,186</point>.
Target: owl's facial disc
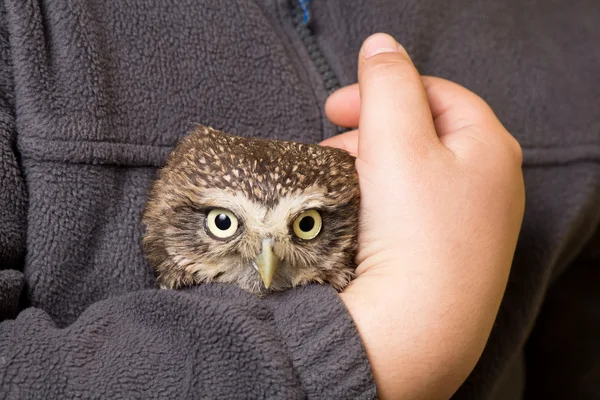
<point>266,262</point>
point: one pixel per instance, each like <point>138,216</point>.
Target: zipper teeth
<point>301,19</point>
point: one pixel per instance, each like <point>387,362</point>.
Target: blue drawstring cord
<point>304,5</point>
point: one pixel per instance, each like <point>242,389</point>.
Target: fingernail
<point>379,43</point>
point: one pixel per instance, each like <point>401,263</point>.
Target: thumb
<point>395,118</point>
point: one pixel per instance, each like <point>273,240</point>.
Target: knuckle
<point>508,146</point>
<point>516,149</point>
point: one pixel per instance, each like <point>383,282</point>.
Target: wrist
<point>422,336</point>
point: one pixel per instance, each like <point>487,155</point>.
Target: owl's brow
<point>289,207</point>
<point>238,203</point>
<point>259,215</point>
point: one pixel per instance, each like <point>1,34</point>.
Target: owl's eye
<point>308,224</point>
<point>221,223</point>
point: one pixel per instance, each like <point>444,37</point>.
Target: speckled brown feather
<point>266,183</point>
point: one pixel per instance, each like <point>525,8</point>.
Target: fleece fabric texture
<point>94,95</point>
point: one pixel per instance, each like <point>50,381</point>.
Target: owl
<point>264,215</point>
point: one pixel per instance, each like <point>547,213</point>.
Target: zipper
<point>301,19</point>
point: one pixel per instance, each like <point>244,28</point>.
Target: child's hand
<point>442,203</point>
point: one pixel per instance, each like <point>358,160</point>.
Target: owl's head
<point>261,214</point>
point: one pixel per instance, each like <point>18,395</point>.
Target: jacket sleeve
<point>210,341</point>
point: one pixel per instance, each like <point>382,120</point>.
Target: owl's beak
<point>267,262</point>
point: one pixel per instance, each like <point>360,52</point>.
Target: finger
<point>343,106</point>
<point>461,114</point>
<point>394,118</point>
<point>455,107</point>
<point>346,141</point>
<point>445,98</point>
